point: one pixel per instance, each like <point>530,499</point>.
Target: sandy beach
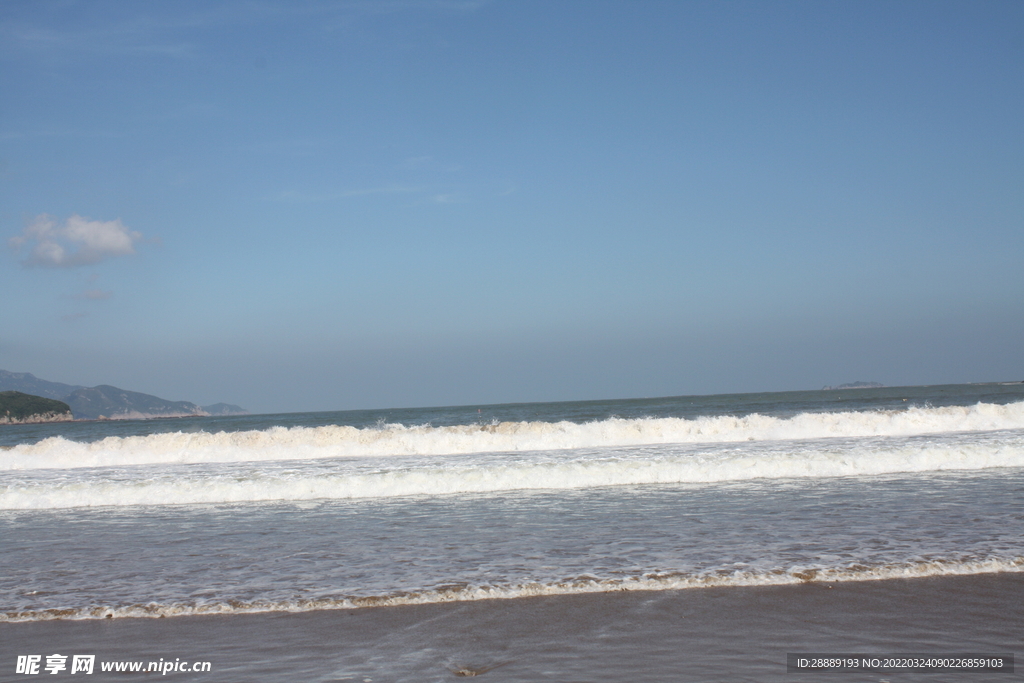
<point>736,634</point>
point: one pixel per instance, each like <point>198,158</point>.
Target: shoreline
<point>742,633</point>
<point>42,418</point>
<point>825,579</point>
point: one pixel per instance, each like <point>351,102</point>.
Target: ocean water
<point>686,538</point>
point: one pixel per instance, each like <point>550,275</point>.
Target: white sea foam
<point>585,584</point>
<point>303,443</point>
<point>341,479</point>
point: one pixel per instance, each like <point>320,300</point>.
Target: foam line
<point>586,584</point>
<point>232,484</point>
<point>279,443</point>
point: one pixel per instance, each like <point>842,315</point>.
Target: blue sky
<point>330,205</point>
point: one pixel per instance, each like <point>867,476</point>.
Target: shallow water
<point>168,560</point>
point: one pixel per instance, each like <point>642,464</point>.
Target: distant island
<point>104,402</point>
<point>855,385</point>
<point>19,408</point>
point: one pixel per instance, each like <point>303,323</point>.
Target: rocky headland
<point>19,408</point>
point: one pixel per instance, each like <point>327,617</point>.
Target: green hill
<point>16,408</point>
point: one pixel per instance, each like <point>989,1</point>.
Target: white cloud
<point>77,242</point>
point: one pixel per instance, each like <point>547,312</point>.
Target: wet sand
<point>736,634</point>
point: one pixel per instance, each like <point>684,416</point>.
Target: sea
<point>690,538</point>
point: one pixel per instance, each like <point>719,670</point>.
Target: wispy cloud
<point>428,163</point>
<point>380,6</point>
<point>95,295</point>
<point>391,189</point>
<point>77,242</point>
<point>449,198</point>
<point>122,38</point>
<point>29,135</point>
<point>294,196</point>
<point>415,162</point>
<point>142,29</point>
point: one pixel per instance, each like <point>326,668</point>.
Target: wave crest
<point>280,443</point>
<point>340,480</point>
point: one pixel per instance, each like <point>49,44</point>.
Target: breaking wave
<point>280,443</point>
<point>578,469</point>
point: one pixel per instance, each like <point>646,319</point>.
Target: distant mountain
<point>107,402</point>
<point>224,409</point>
<point>110,402</point>
<point>855,385</point>
<point>28,383</point>
<point>19,408</point>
